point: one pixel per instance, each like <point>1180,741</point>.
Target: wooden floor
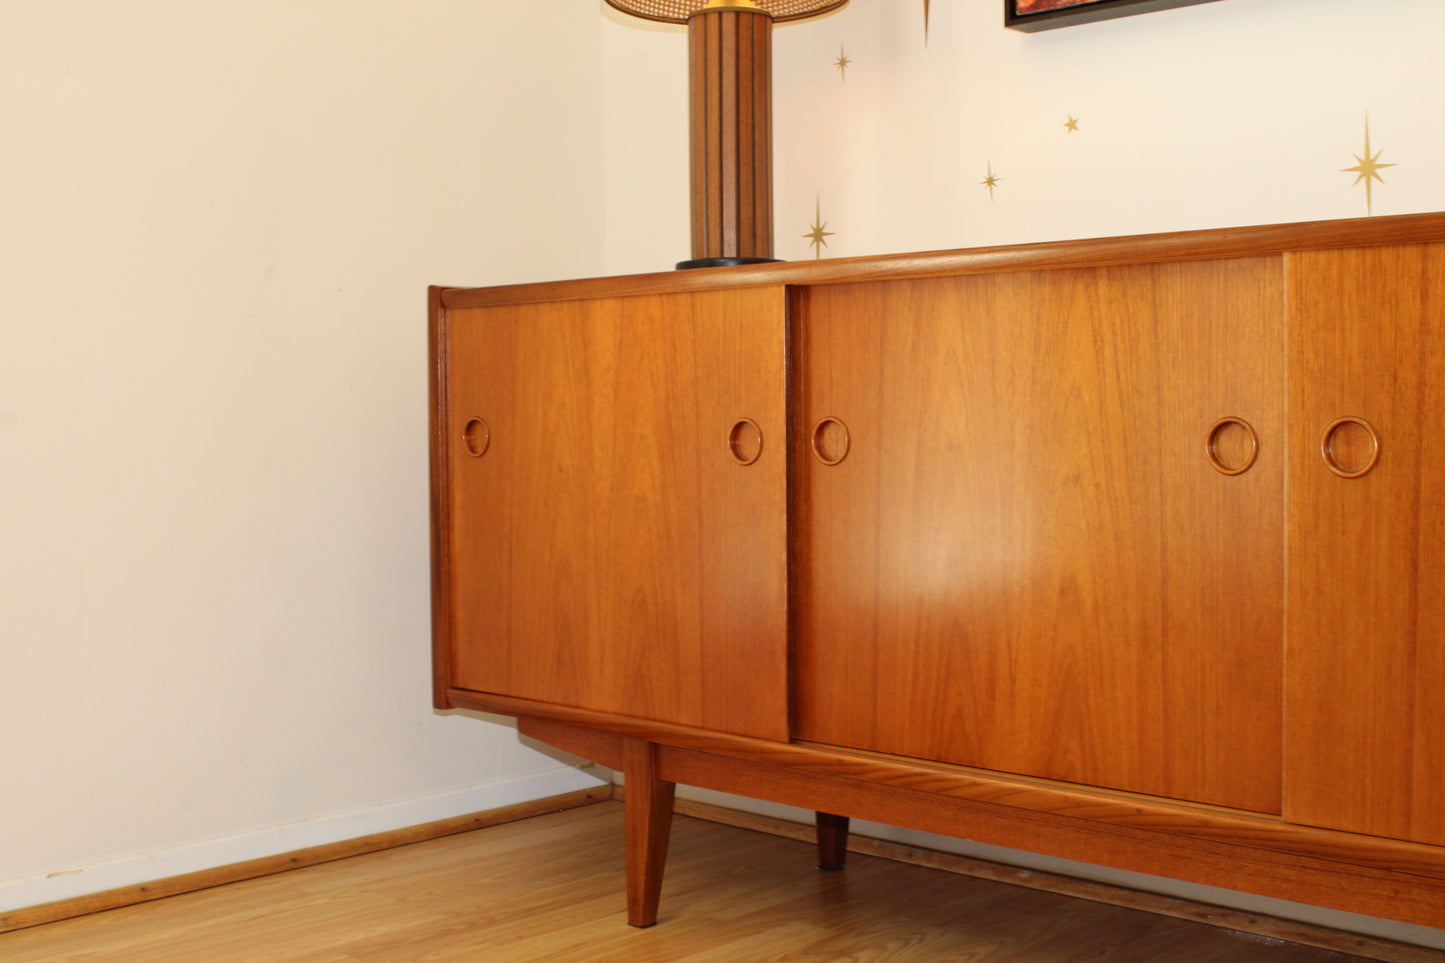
<point>551,888</point>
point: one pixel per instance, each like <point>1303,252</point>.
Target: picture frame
<point>1032,15</point>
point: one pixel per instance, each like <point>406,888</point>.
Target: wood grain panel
<point>1365,723</point>
<point>1026,562</point>
<point>607,550</point>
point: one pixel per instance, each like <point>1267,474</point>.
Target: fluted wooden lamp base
<point>730,69</point>
<point>730,63</point>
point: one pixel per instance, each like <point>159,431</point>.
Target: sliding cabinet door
<point>617,509</point>
<point>1039,522</point>
<point>1365,709</point>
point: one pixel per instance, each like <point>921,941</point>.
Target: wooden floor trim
<point>1255,924</point>
<point>296,859</point>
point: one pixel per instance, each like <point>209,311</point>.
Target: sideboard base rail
<point>1262,855</point>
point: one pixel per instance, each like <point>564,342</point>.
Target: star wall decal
<point>816,233</point>
<point>991,181</point>
<point>1367,168</point>
<point>1072,124</point>
<point>842,63</point>
<point>925,23</point>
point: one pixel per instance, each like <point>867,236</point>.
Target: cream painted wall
<point>217,223</point>
<point>1228,113</point>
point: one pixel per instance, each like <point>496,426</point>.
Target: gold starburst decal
<point>816,233</point>
<point>925,23</point>
<point>1368,168</point>
<point>842,63</point>
<point>991,181</point>
<point>1072,124</point>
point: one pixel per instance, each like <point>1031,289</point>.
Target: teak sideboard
<point>1128,551</point>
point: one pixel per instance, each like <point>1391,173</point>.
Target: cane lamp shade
<point>730,84</point>
<point>680,11</point>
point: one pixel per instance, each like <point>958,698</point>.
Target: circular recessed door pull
<point>1350,447</point>
<point>745,441</point>
<point>476,437</point>
<point>1232,446</point>
<point>831,441</point>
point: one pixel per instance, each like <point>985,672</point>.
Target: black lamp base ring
<point>706,262</point>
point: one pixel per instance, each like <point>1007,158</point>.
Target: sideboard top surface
<point>1249,241</point>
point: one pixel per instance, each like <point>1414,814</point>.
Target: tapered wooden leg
<point>832,841</point>
<point>648,815</point>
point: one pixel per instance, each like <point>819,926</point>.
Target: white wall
<point>1228,113</point>
<point>217,223</point>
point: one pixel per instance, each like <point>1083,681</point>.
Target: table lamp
<point>730,70</point>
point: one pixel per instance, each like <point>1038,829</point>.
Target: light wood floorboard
<point>551,888</point>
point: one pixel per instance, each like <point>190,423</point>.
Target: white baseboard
<point>72,882</point>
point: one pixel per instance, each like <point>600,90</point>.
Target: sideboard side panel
<point>437,345</point>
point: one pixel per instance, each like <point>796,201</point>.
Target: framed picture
<point>1034,15</point>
